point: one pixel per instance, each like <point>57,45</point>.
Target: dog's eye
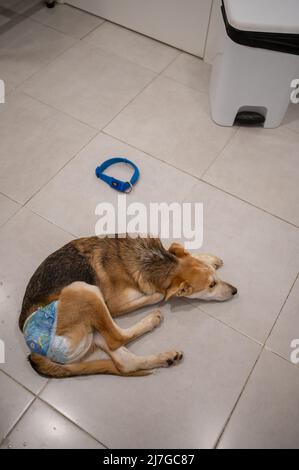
<point>213,284</point>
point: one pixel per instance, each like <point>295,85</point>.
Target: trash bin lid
<point>265,24</point>
<point>267,16</point>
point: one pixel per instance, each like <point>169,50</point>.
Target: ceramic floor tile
<point>26,48</point>
<point>195,397</point>
<point>261,256</point>
<point>286,329</point>
<point>190,71</point>
<point>25,241</point>
<point>21,6</point>
<point>89,83</point>
<point>3,19</point>
<point>70,199</point>
<point>14,400</point>
<point>267,416</point>
<point>68,20</point>
<point>36,141</point>
<point>133,46</point>
<point>292,118</point>
<point>171,122</point>
<point>261,166</point>
<point>43,428</point>
<point>7,209</point>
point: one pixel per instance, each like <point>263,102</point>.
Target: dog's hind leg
<point>131,301</point>
<point>127,362</point>
<point>83,304</point>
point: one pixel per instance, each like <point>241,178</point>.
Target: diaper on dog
<point>40,334</point>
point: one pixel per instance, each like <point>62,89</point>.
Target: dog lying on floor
<point>70,301</point>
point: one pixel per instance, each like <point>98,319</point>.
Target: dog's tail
<point>45,367</point>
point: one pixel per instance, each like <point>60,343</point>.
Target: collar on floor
<point>118,185</point>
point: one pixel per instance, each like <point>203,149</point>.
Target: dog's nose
<point>234,290</point>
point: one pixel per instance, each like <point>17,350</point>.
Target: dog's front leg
<point>131,300</point>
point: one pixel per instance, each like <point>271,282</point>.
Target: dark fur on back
<point>59,270</point>
<point>80,259</point>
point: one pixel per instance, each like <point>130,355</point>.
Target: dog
<point>71,299</point>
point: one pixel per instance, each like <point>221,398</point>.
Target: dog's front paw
<point>153,320</point>
<point>218,262</point>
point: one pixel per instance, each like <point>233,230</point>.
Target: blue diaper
<point>40,334</point>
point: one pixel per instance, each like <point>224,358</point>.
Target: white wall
<point>181,23</point>
<point>215,26</point>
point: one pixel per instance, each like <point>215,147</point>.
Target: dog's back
<point>83,259</point>
<point>60,269</point>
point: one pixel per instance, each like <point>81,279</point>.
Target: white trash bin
<point>257,61</point>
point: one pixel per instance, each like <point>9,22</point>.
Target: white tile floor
<point>79,90</point>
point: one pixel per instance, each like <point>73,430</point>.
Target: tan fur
<point>126,282</point>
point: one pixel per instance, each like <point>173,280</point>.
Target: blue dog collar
<point>118,185</point>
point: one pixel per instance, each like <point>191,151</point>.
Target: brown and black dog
<point>94,279</point>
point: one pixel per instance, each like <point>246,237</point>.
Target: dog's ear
<point>179,289</point>
<point>178,250</point>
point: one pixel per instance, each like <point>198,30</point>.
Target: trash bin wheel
<point>50,3</point>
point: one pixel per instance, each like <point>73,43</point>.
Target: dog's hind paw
<point>173,357</point>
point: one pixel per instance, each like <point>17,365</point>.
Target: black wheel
<point>50,3</point>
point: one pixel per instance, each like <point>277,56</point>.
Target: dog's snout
<point>234,290</point>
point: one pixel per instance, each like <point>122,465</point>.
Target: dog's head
<point>197,279</point>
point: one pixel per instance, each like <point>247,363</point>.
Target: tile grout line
<point>237,401</point>
<point>60,169</point>
<point>242,333</point>
<point>10,198</point>
<point>18,420</point>
<point>275,353</point>
<point>98,131</point>
<point>283,305</point>
<point>73,235</point>
<point>111,135</point>
<point>93,29</point>
<point>250,204</point>
<point>66,34</point>
<point>19,383</point>
<point>78,41</point>
<point>36,396</point>
<point>70,420</point>
<point>252,370</point>
<point>220,153</point>
<point>157,158</point>
<point>64,113</point>
<point>12,216</point>
<point>208,31</point>
<point>199,179</point>
<point>157,75</point>
<point>47,63</point>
